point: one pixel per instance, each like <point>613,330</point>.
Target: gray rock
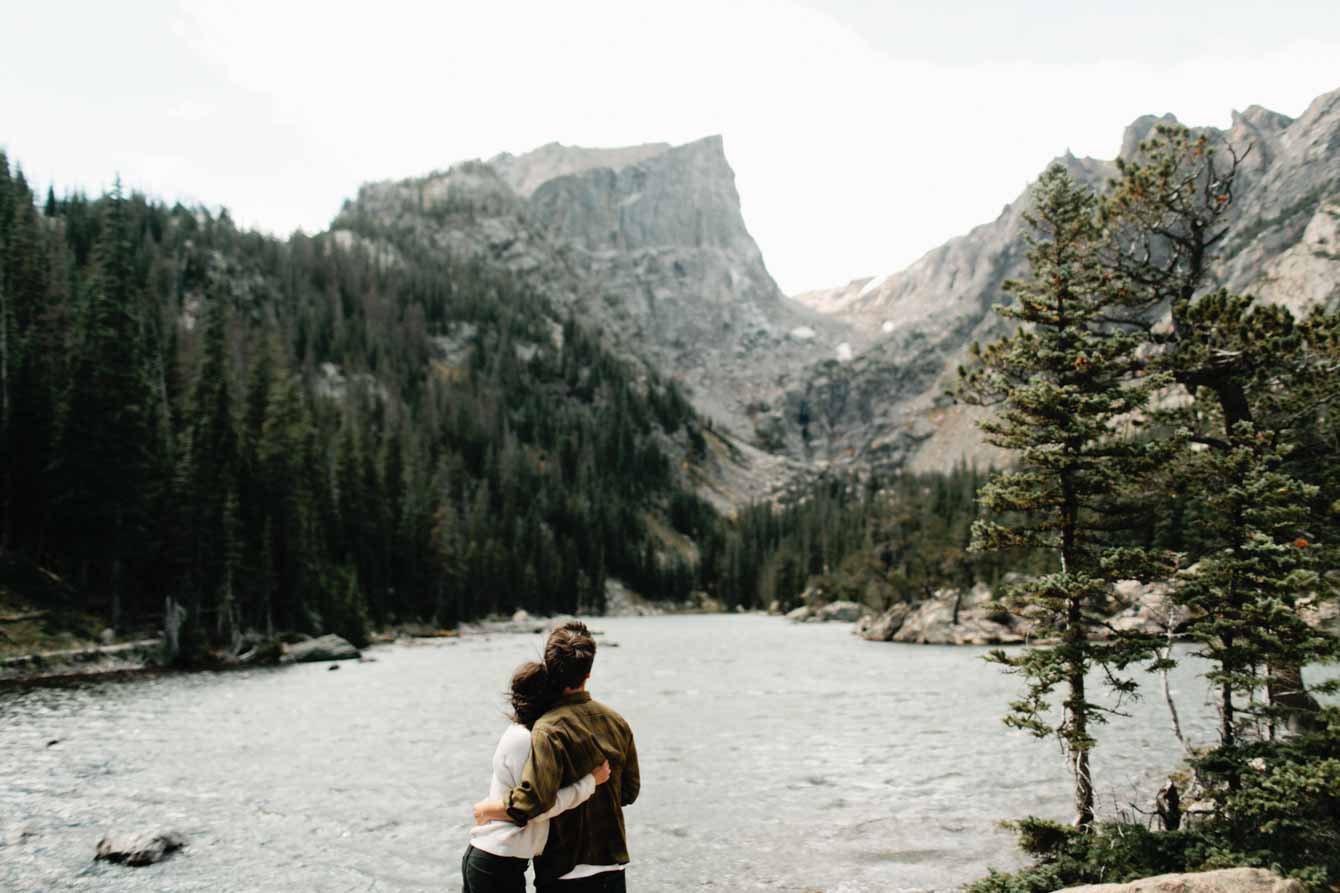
<point>1146,608</point>
<point>1229,880</point>
<point>521,616</point>
<point>139,848</point>
<point>263,653</point>
<point>328,647</point>
<point>799,615</point>
<point>884,627</point>
<point>953,617</point>
<point>841,612</point>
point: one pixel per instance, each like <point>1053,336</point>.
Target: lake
<point>774,756</point>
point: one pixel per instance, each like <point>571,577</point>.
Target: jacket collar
<point>576,697</point>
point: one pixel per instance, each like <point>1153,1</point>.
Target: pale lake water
<point>774,756</point>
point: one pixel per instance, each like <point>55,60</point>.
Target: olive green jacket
<point>574,737</point>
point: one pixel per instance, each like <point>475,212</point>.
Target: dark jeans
<point>483,872</point>
<point>605,882</point>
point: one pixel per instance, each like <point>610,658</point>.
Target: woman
<point>495,861</point>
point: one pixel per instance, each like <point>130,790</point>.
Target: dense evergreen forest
<point>305,435</point>
<point>877,540</point>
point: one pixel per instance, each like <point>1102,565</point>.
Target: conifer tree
<point>214,449</point>
<point>7,334</point>
<point>104,457</point>
<point>1066,384</point>
<point>1261,385</point>
<point>1245,590</point>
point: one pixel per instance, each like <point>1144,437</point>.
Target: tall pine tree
<point>1066,385</point>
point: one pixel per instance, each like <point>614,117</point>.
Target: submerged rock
<point>1229,880</point>
<point>139,848</point>
<point>328,647</point>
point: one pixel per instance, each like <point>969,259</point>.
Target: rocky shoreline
<point>973,617</point>
<point>145,655</point>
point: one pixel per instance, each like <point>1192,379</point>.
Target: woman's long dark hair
<point>531,693</point>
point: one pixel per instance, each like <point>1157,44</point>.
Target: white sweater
<point>505,838</point>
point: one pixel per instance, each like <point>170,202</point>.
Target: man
<point>587,848</point>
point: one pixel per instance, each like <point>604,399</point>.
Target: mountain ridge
<point>922,317</point>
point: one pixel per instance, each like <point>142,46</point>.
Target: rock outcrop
<point>883,627</point>
<point>327,647</point>
<point>840,612</point>
<point>957,617</point>
<point>971,617</point>
<point>139,847</point>
<point>1228,880</point>
<point>800,615</point>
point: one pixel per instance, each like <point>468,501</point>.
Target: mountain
<point>646,242</point>
<point>887,405</point>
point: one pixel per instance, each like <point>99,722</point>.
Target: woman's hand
<point>602,772</point>
<point>493,811</point>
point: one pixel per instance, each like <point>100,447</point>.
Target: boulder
<point>139,848</point>
<point>1146,608</point>
<point>521,616</point>
<point>328,647</point>
<point>798,615</point>
<point>1228,880</point>
<point>263,653</point>
<point>841,611</point>
<point>775,607</point>
<point>955,617</point>
<point>885,626</point>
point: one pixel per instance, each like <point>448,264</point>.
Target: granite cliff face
<point>887,405</point>
<point>647,242</point>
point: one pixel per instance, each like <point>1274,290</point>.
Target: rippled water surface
<point>774,757</point>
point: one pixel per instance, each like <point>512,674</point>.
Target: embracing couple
<point>562,774</point>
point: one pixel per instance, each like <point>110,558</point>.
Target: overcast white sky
<point>862,133</point>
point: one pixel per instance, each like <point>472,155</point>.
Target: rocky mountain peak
<point>1141,129</point>
<point>888,406</point>
<point>1261,119</point>
<point>684,196</point>
<point>526,173</point>
<point>647,242</point>
<point>470,185</point>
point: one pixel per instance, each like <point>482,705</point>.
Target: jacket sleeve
<point>572,795</point>
<point>538,790</point>
<point>630,780</point>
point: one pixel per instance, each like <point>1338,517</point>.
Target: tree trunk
<point>1285,688</point>
<point>1080,725</point>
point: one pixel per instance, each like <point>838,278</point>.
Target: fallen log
<point>19,618</point>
